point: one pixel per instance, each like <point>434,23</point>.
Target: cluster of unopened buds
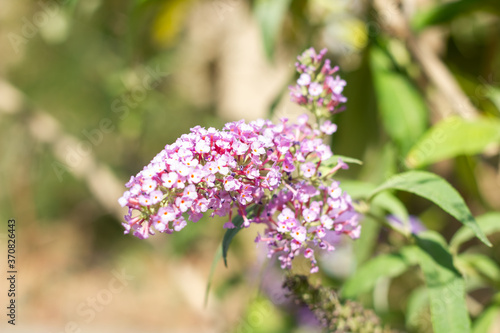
<point>271,174</point>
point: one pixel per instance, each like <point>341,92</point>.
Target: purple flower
<point>315,89</point>
<point>203,147</point>
<point>286,214</point>
<point>334,190</point>
<point>231,184</point>
<point>304,79</point>
<point>179,224</point>
<point>308,253</point>
<point>320,232</point>
<point>336,85</point>
<point>240,148</point>
<point>299,234</point>
<point>327,222</point>
<point>308,169</point>
<point>416,226</point>
<point>328,128</point>
<point>144,200</point>
<point>324,152</point>
<point>148,186</point>
<point>183,203</point>
<point>169,179</point>
<point>156,197</point>
<point>257,148</point>
<point>288,165</point>
<point>309,215</point>
<point>166,214</point>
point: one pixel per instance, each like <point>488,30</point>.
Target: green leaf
<point>379,164</point>
<point>385,201</point>
<point>230,233</point>
<point>383,266</point>
<point>437,190</point>
<point>364,246</point>
<point>493,93</point>
<point>487,318</point>
<point>482,265</point>
<point>393,205</point>
<point>448,11</point>
<point>71,3</point>
<point>489,224</point>
<point>403,111</point>
<point>445,285</point>
<point>357,189</point>
<point>270,15</point>
<point>452,137</point>
<point>417,302</point>
<point>215,261</point>
<point>334,160</point>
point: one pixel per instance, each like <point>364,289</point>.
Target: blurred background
<point>91,90</point>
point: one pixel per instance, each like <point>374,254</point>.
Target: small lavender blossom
<point>416,226</point>
<point>304,79</point>
<point>328,128</point>
<point>315,89</point>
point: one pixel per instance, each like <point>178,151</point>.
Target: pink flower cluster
<point>320,92</point>
<point>273,166</point>
<point>270,170</point>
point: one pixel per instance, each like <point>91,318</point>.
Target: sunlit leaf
<point>493,93</point>
<point>487,318</point>
<point>445,285</point>
<point>357,189</point>
<point>417,303</point>
<point>402,109</point>
<point>452,137</point>
<point>437,190</point>
<point>383,266</point>
<point>393,205</point>
<point>489,224</point>
<point>364,246</point>
<point>386,201</point>
<point>270,15</point>
<point>379,164</point>
<point>447,11</point>
<point>483,265</point>
<point>332,161</point>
